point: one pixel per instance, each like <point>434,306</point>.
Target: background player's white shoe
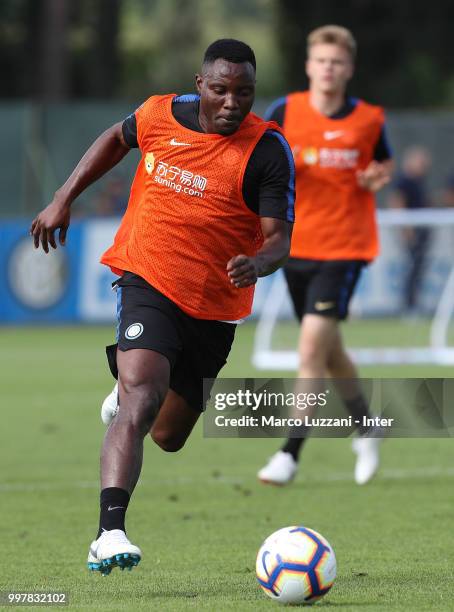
<point>367,458</point>
<point>110,406</point>
<point>280,469</point>
<point>112,549</point>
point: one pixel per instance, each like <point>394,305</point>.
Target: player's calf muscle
<point>170,442</point>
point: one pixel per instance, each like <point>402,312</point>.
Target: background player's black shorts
<point>322,287</point>
<point>196,348</point>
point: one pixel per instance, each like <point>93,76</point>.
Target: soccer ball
<point>296,565</point>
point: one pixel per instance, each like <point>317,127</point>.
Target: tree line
<point>54,50</point>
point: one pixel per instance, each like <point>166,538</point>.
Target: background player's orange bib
<point>335,218</point>
<point>186,217</point>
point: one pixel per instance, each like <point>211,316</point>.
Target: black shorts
<point>196,348</point>
<point>322,287</point>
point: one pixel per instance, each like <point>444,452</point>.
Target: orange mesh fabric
<point>186,217</point>
<point>335,218</point>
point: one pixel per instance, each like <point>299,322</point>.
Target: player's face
<point>329,68</point>
<point>226,95</point>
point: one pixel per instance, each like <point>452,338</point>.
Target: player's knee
<point>332,365</point>
<point>312,354</point>
<point>141,402</point>
<point>146,391</point>
<point>167,441</point>
<point>338,361</point>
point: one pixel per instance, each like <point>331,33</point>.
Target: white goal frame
<point>438,351</point>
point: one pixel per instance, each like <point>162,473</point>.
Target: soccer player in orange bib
<point>210,211</point>
<point>342,158</point>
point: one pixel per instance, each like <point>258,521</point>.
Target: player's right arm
<point>104,154</point>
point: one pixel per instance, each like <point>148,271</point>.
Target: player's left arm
<point>379,171</point>
<point>244,271</point>
<point>271,184</point>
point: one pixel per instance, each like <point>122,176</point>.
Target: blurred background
<point>71,69</point>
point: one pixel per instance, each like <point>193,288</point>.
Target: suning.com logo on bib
<point>175,178</point>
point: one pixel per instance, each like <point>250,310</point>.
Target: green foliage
<point>131,48</point>
<point>163,42</point>
<point>128,48</point>
<point>404,57</point>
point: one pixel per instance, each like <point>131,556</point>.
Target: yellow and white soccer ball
<point>296,565</point>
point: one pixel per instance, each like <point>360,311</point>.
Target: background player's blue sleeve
<point>382,150</point>
<point>277,181</point>
<point>276,111</point>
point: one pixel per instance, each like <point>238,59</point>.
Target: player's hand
<point>374,177</point>
<point>54,217</point>
<point>242,271</point>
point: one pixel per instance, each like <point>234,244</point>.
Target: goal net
<point>386,325</point>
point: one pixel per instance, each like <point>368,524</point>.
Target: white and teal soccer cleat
<point>280,469</point>
<point>112,549</point>
<point>110,406</point>
<point>367,450</point>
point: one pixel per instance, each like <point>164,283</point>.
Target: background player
<point>210,210</point>
<point>341,157</point>
<point>410,192</point>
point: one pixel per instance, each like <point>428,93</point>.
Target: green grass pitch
<point>200,515</point>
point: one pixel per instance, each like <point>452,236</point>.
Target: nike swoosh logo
<point>175,143</point>
<point>332,135</point>
<point>324,305</point>
<point>114,508</point>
